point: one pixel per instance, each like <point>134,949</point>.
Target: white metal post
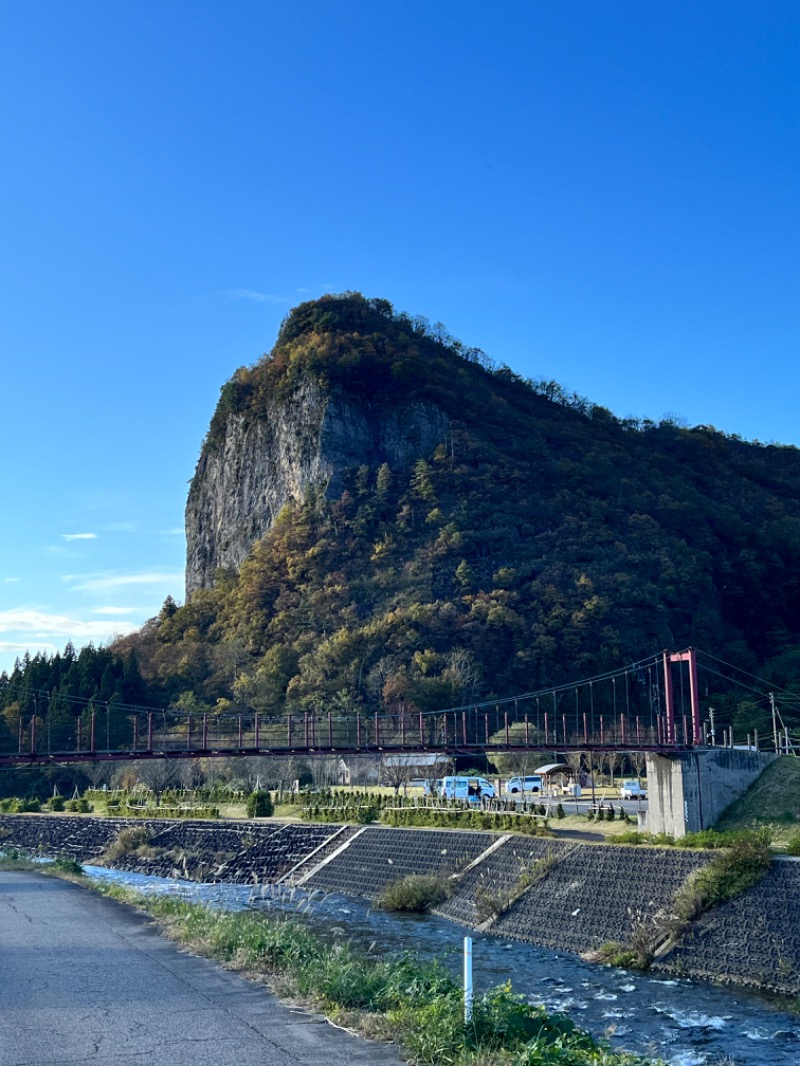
<point>467,979</point>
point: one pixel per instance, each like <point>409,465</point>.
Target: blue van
<point>471,789</point>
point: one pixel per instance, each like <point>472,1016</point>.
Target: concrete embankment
<point>555,893</point>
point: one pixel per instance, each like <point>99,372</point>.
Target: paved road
<point>85,980</point>
<point>581,806</point>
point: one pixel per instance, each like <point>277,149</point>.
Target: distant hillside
<point>382,518</point>
<point>420,526</point>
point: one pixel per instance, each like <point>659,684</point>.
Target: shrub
<point>631,837</point>
<point>793,847</point>
<point>67,865</point>
<point>417,892</point>
<point>732,872</point>
<point>615,954</point>
<point>56,803</point>
<point>127,842</point>
<point>260,805</point>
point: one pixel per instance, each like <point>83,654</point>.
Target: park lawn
<point>230,811</point>
<point>581,824</point>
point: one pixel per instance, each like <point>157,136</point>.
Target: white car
<point>631,790</point>
<point>531,783</point>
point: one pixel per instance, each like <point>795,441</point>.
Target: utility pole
<point>711,720</point>
<point>774,721</point>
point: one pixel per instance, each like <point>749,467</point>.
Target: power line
<point>741,670</point>
<point>734,681</point>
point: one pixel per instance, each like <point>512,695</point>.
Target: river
<point>685,1023</point>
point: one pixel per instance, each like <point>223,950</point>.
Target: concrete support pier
<point>688,791</point>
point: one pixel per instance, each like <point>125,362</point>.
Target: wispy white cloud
<point>105,582</point>
<point>41,624</point>
<point>178,531</point>
<point>114,610</point>
<point>13,645</point>
<point>10,580</point>
<point>79,536</point>
<point>258,297</point>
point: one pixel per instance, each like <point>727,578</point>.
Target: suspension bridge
<point>651,706</point>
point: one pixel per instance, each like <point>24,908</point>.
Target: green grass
<point>417,1004</point>
<point>731,872</point>
<point>773,801</point>
<point>14,859</point>
<point>416,892</point>
<point>62,865</point>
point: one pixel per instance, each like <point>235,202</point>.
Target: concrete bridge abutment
<point>688,791</point>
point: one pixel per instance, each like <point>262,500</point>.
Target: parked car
<point>531,783</point>
<point>632,789</point>
<point>472,789</point>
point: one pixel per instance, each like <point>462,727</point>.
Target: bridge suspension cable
<point>591,714</point>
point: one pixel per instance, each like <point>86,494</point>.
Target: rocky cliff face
<point>262,463</point>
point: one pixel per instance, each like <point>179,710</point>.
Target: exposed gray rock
<point>308,440</point>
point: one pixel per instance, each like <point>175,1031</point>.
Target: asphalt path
<point>87,980</point>
<point>580,806</point>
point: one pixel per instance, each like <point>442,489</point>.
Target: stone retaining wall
<point>272,856</point>
<point>240,852</point>
<point>754,940</point>
<point>79,838</point>
<point>587,895</point>
<point>376,857</point>
<point>496,872</point>
<point>596,894</point>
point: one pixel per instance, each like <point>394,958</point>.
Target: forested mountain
<point>395,520</point>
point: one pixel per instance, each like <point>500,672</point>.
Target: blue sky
<point>605,193</point>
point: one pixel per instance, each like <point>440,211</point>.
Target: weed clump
<point>128,842</point>
<point>491,904</point>
<point>67,865</point>
<point>742,858</point>
<point>735,869</point>
<point>417,893</point>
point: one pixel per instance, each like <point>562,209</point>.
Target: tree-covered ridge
<point>543,541</point>
<point>59,689</point>
<point>362,344</point>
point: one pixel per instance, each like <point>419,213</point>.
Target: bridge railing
<point>129,733</point>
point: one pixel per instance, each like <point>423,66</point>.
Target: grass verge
<point>415,1003</point>
<point>773,802</point>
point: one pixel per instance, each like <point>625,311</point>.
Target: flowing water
<point>683,1022</point>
